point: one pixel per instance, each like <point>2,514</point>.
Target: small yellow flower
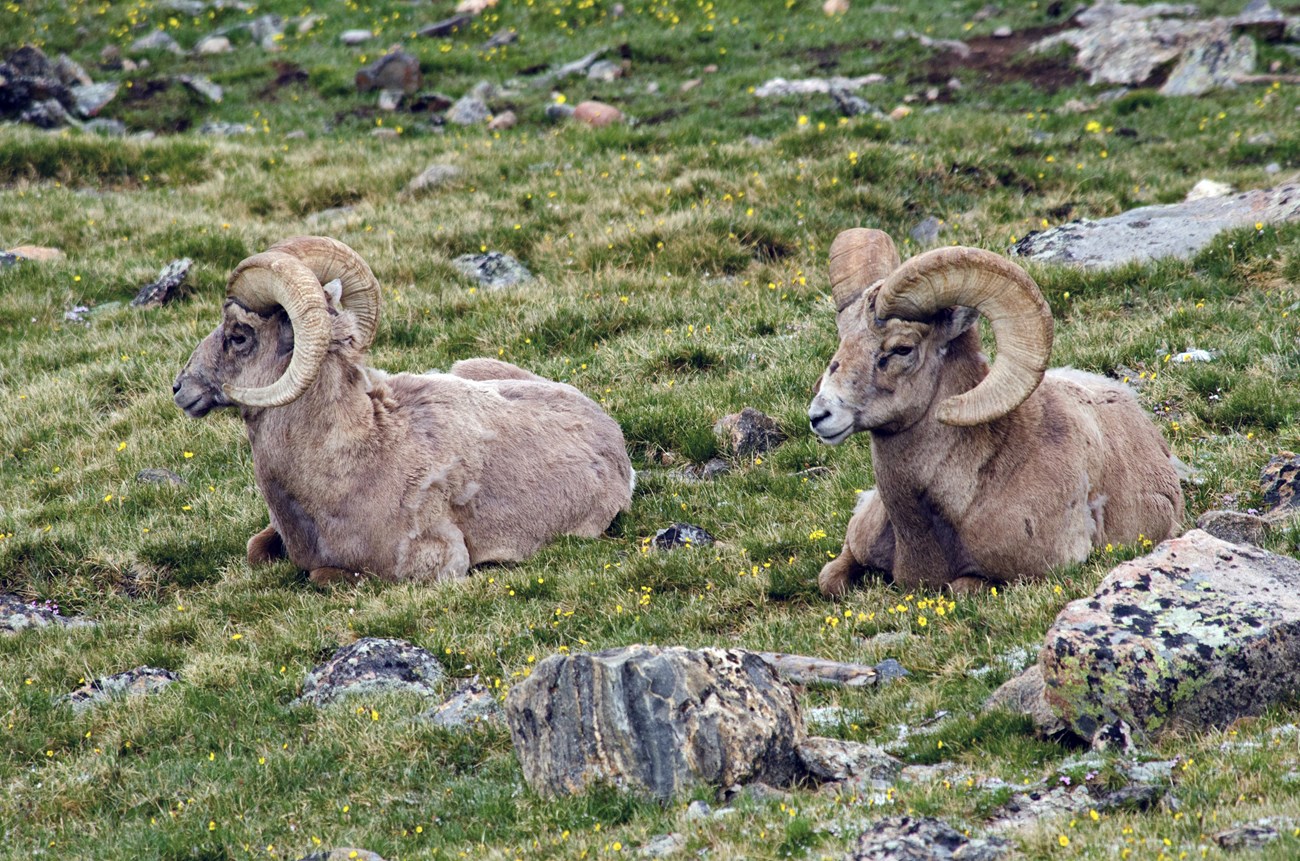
<point>1063,840</point>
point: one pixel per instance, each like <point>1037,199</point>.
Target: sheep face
<point>247,350</point>
<point>885,375</point>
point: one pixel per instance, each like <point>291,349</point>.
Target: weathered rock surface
<point>17,615</point>
<point>663,846</point>
<point>470,705</point>
<point>373,666</point>
<point>434,177</point>
<point>749,432</point>
<point>132,683</point>
<point>1153,232</point>
<point>37,253</point>
<point>397,70</point>
<point>1196,634</point>
<point>468,111</point>
<point>342,853</point>
<point>833,759</point>
<point>494,270</point>
<point>654,721</point>
<point>778,87</point>
<point>161,290</point>
<point>1025,694</point>
<point>707,471</point>
<point>907,838</point>
<point>158,476</point>
<point>1235,527</point>
<point>158,40</point>
<point>90,99</point>
<point>597,114</point>
<point>1280,482</point>
<point>681,535</point>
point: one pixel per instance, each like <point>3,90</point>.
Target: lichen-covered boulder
<point>373,665</point>
<point>1198,633</point>
<point>654,721</point>
<point>131,683</point>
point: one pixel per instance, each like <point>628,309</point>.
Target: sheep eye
<point>236,340</point>
<point>902,351</point>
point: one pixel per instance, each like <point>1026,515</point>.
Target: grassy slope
<point>682,277</point>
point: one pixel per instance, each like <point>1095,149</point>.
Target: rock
<point>663,846</point>
<point>17,614</point>
<point>687,86</point>
<point>1153,232</point>
<point>1003,32</point>
<point>343,853</point>
<point>493,270</point>
<point>90,99</point>
<point>30,62</point>
<point>132,683</point>
<point>397,70</point>
<point>352,38</point>
<point>433,103</point>
<point>1192,356</point>
<point>835,7</point>
<point>907,838</point>
<point>850,105</point>
<point>780,87</point>
<point>890,670</point>
<point>37,253</point>
<point>500,39</point>
<point>445,27</point>
<point>597,114</point>
<point>219,129</point>
<point>502,121</point>
<point>1211,63</point>
<point>577,67</point>
<point>475,7</point>
<point>70,72</point>
<point>1261,20</point>
<point>332,217</point>
<point>434,177</point>
<point>654,721</point>
<point>559,112</point>
<point>8,259</point>
<point>1252,835</point>
<point>204,87</point>
<point>372,666</point>
<point>927,232</point>
<point>390,100</point>
<point>698,810</point>
<point>468,111</point>
<point>749,432</point>
<point>1029,808</point>
<point>48,114</point>
<point>470,705</point>
<point>212,45</point>
<point>1280,482</point>
<point>1024,694</point>
<point>1207,188</point>
<point>385,133</point>
<point>158,476</point>
<point>681,535</point>
<point>110,128</point>
<point>267,31</point>
<point>1196,634</point>
<point>604,70</point>
<point>1235,527</point>
<point>161,291</point>
<point>158,40</point>
<point>707,471</point>
<point>832,759</point>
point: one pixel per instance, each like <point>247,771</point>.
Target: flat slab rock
<point>654,721</point>
<point>371,666</point>
<point>1147,233</point>
<point>132,683</point>
<point>18,614</point>
<point>907,838</point>
<point>1196,634</point>
<point>494,270</point>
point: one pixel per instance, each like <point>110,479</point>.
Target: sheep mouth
<point>196,408</point>
<point>835,438</point>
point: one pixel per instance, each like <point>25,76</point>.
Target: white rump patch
<point>864,499</point>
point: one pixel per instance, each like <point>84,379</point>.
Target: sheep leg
<point>969,584</point>
<point>265,547</point>
<point>868,545</point>
<point>327,576</point>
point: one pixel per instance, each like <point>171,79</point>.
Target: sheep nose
<point>818,417</point>
<point>176,386</point>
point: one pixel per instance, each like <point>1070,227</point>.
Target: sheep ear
<point>334,293</point>
<point>953,321</point>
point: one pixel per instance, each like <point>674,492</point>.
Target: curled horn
<point>273,280</point>
<point>329,259</point>
<point>859,258</point>
<point>1001,292</point>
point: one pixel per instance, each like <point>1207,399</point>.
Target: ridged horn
<point>1004,294</point>
<point>273,280</point>
<point>329,259</point>
<point>859,258</point>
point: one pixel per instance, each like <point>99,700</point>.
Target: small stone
<point>396,70</point>
<point>390,100</point>
<point>342,853</point>
<point>158,476</point>
<point>927,232</point>
<point>158,40</point>
<point>663,846</point>
<point>1003,32</point>
<point>604,70</point>
<point>899,112</point>
<point>17,614</point>
<point>470,705</point>
<point>500,39</point>
<point>110,57</point>
<point>468,111</point>
<point>682,535</point>
<point>162,289</point>
<point>48,114</point>
<point>475,7</point>
<point>69,71</point>
<point>212,45</point>
<point>37,253</point>
<point>493,270</point>
<point>445,27</point>
<point>750,432</point>
<point>352,38</point>
<point>597,114</point>
<point>1116,736</point>
<point>1235,527</point>
<point>433,103</point>
<point>385,133</point>
<point>1152,771</point>
<point>851,105</point>
<point>906,838</point>
<point>1272,168</point>
<point>106,127</point>
<point>203,86</point>
<point>219,129</point>
<point>502,121</point>
<point>434,177</point>
<point>90,99</point>
<point>890,670</point>
<point>835,7</point>
<point>687,86</point>
<point>332,217</point>
<point>132,683</point>
<point>1192,356</point>
<point>1279,482</point>
<point>1250,836</point>
<point>707,471</point>
<point>267,31</point>
<point>8,259</point>
<point>369,666</point>
<point>30,62</point>
<point>555,111</point>
<point>697,810</point>
<point>833,759</point>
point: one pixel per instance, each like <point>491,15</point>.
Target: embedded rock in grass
<point>833,759</point>
<point>472,704</point>
<point>780,87</point>
<point>1026,809</point>
<point>373,666</point>
<point>1280,482</point>
<point>502,121</point>
<point>654,721</point>
<point>17,614</point>
<point>48,114</point>
<point>707,471</point>
<point>394,71</point>
<point>161,290</point>
<point>1235,527</point>
<point>1025,694</point>
<point>1153,232</point>
<point>204,87</point>
<point>434,177</point>
<point>37,253</point>
<point>749,432</point>
<point>597,114</point>
<point>351,38</point>
<point>1252,835</point>
<point>343,853</point>
<point>90,99</point>
<point>157,41</point>
<point>158,476</point>
<point>682,535</point>
<point>445,27</point>
<point>214,44</point>
<point>663,846</point>
<point>70,72</point>
<point>1195,635</point>
<point>926,232</point>
<point>468,111</point>
<point>132,683</point>
<point>493,270</point>
<point>907,838</point>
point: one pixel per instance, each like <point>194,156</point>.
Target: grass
<point>681,276</point>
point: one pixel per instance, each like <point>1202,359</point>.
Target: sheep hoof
<point>835,578</point>
<point>330,576</point>
<point>265,547</point>
<point>969,585</point>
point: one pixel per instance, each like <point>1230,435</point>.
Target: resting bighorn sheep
<point>981,475</point>
<point>404,477</point>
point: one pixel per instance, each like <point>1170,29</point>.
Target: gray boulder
<point>1234,527</point>
<point>373,666</point>
<point>749,432</point>
<point>681,535</point>
<point>162,289</point>
<point>132,683</point>
<point>397,70</point>
<point>907,838</point>
<point>468,111</point>
<point>654,721</point>
<point>1280,483</point>
<point>472,704</point>
<point>17,614</point>
<point>434,177</point>
<point>1197,634</point>
<point>493,270</point>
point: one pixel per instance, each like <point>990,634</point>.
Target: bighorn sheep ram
<point>982,476</point>
<point>405,477</point>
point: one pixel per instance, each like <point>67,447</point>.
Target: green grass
<point>681,277</point>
